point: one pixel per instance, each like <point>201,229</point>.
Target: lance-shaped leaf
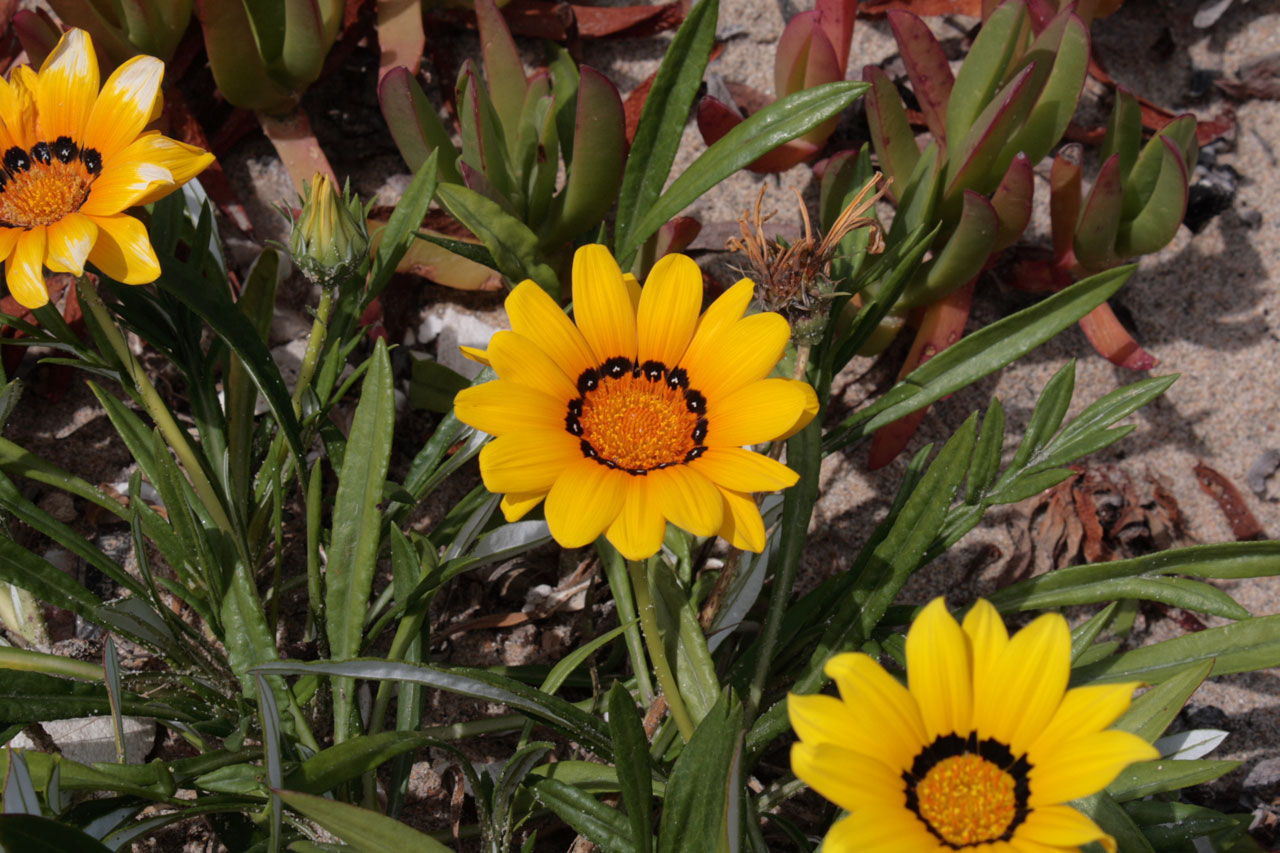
<point>513,246</point>
<point>1095,240</point>
<point>1149,171</point>
<point>1158,221</point>
<point>236,61</point>
<point>931,77</point>
<point>600,151</point>
<point>1124,131</point>
<point>483,147</point>
<point>963,256</point>
<point>503,69</point>
<point>920,196</point>
<point>309,31</point>
<point>992,53</point>
<point>716,119</point>
<point>1065,188</point>
<point>891,133</point>
<point>415,126</point>
<point>1113,341</point>
<point>836,17</point>
<point>975,161</point>
<point>1012,202</point>
<point>1059,95</point>
<point>536,153</point>
<point>942,326</point>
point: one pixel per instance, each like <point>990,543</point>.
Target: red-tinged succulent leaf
<point>503,70</point>
<point>1154,117</point>
<point>427,260</point>
<point>677,235</point>
<point>1113,342</point>
<point>1060,90</point>
<point>1157,223</point>
<point>963,255</point>
<point>786,156</point>
<point>976,163</point>
<point>234,58</point>
<point>891,133</point>
<point>715,119</point>
<point>627,21</point>
<point>297,147</point>
<point>927,66</point>
<point>311,26</point>
<point>923,8</point>
<point>1035,275</point>
<point>1012,202</point>
<point>401,39</point>
<point>993,53</point>
<point>1095,238</point>
<point>835,18</point>
<point>1041,12</point>
<point>821,67</point>
<point>1149,170</point>
<point>37,33</point>
<point>1124,131</point>
<point>483,146</point>
<point>1065,198</point>
<point>942,325</point>
<point>599,154</point>
<point>415,126</point>
<point>791,57</point>
<point>539,19</point>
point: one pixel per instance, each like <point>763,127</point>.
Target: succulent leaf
<point>1059,94</point>
<point>927,66</point>
<point>1095,238</point>
<point>836,18</point>
<point>236,61</point>
<point>483,147</point>
<point>1012,202</point>
<point>891,133</point>
<point>1113,341</point>
<point>918,199</point>
<point>401,39</point>
<point>415,126</point>
<point>962,256</point>
<point>1065,198</point>
<point>1124,131</point>
<point>992,53</point>
<point>791,57</point>
<point>1141,182</point>
<point>564,85</point>
<point>310,27</point>
<point>1157,223</point>
<point>503,70</point>
<point>975,163</point>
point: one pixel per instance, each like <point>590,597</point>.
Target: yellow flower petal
<point>688,499</point>
<point>601,304</point>
<point>123,250</point>
<point>1031,675</point>
<point>476,354</point>
<point>742,526</point>
<point>67,86</point>
<point>124,107</point>
<point>585,500</point>
<point>739,355</point>
<point>808,413</point>
<point>519,359</point>
<point>668,312</point>
<point>638,530</point>
<point>516,506</point>
<point>889,724</point>
<point>1084,710</point>
<point>849,779</point>
<point>988,639</point>
<point>127,179</point>
<point>723,313</point>
<point>70,240</point>
<point>883,831</point>
<point>1085,765</point>
<point>939,671</point>
<point>744,471</point>
<point>502,406</point>
<point>183,161</point>
<point>8,239</point>
<point>17,115</point>
<point>633,290</point>
<point>535,315</point>
<point>1058,826</point>
<point>24,269</point>
<point>819,718</point>
<point>755,413</point>
<point>528,461</point>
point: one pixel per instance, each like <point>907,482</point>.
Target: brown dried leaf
<point>1244,525</point>
<point>1259,79</point>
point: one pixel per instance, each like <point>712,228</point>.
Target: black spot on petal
<point>64,149</point>
<point>41,153</point>
<point>92,161</point>
<point>677,377</point>
<point>16,160</point>
<point>695,402</point>
<point>700,431</point>
<point>589,380</point>
<point>616,368</point>
<point>653,370</point>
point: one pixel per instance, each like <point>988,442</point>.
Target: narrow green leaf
<point>403,225</point>
<point>1156,777</point>
<point>357,523</point>
<point>1175,592</point>
<point>780,122</point>
<point>631,750</point>
<point>986,453</point>
<point>1107,813</point>
<point>1175,826</point>
<point>34,834</point>
<point>1089,426</point>
<point>592,819</point>
<point>1083,636</point>
<point>364,830</point>
<point>663,117</point>
<point>693,811</point>
<point>1047,415</point>
<point>1153,711</point>
<point>513,245</point>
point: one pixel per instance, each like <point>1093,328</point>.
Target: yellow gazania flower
<point>74,159</point>
<point>638,414</point>
<point>980,752</point>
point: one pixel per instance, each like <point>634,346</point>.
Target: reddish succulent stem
<point>942,326</point>
<point>1113,341</point>
<point>297,146</point>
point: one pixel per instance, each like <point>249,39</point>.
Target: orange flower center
<point>968,792</point>
<point>638,418</point>
<point>967,799</point>
<point>41,186</point>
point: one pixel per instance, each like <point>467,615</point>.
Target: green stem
<point>174,435</point>
<point>319,330</point>
<point>658,654</point>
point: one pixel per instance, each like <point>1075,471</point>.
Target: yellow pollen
<point>967,799</point>
<point>44,194</point>
<point>636,423</point>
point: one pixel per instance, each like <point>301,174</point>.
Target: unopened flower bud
<point>330,240</point>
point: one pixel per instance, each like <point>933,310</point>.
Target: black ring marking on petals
<point>588,380</point>
<point>653,370</point>
<point>92,160</point>
<point>694,453</point>
<point>41,153</point>
<point>700,431</point>
<point>617,367</point>
<point>575,406</point>
<point>587,450</point>
<point>16,160</point>
<point>64,149</point>
<point>695,402</point>
<point>677,377</point>
<point>572,425</point>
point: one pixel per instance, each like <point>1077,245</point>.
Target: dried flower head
<point>795,277</point>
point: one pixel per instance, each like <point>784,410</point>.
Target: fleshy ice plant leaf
<point>891,132</point>
<point>415,126</point>
<point>125,28</point>
<point>927,67</point>
<point>1100,218</point>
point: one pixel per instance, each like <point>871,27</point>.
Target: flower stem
<point>174,435</point>
<point>319,330</point>
<point>653,640</point>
